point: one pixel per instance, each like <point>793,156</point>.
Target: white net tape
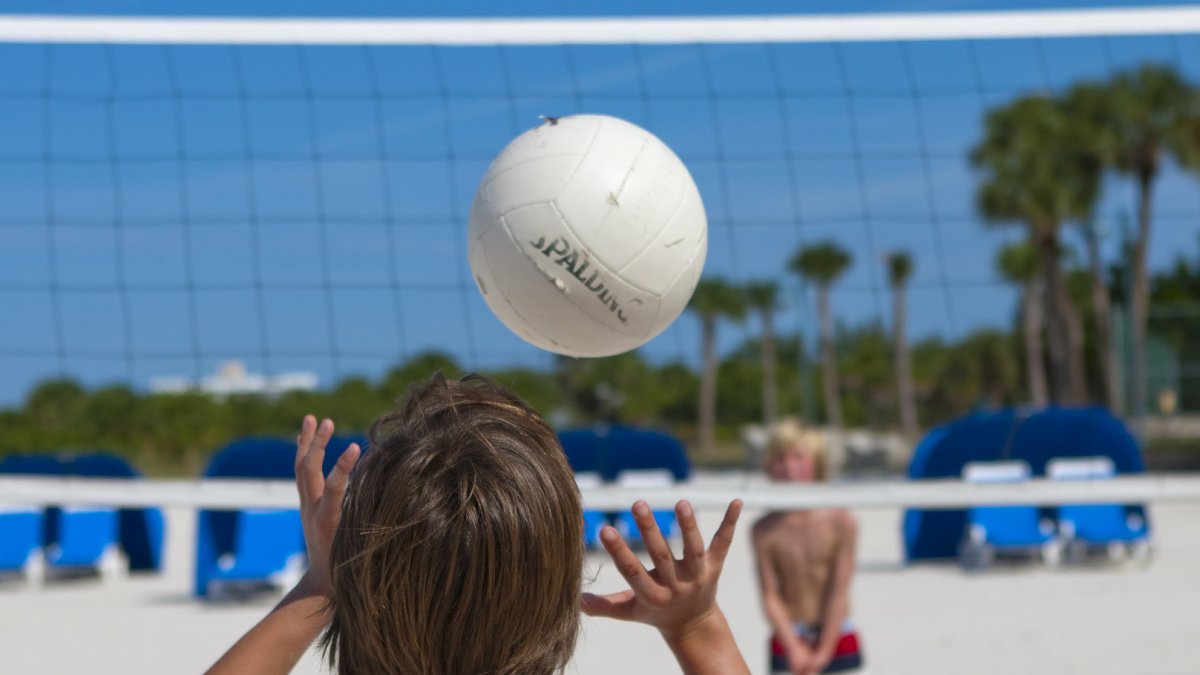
<point>705,492</point>
<point>641,30</point>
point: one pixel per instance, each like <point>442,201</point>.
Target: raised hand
<point>320,497</point>
<point>678,597</point>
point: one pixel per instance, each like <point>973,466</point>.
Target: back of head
<point>460,548</point>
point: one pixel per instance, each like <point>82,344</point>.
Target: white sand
<point>926,619</point>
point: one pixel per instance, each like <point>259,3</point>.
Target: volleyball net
<point>174,191</point>
<point>291,194</point>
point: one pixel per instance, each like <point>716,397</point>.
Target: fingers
<point>311,467</point>
<point>723,539</point>
<point>308,427</point>
<point>693,543</point>
<point>626,562</point>
<point>612,606</point>
<point>656,545</point>
<point>335,484</point>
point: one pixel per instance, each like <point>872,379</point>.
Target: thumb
<point>612,606</point>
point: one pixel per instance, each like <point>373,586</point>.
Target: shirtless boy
<point>805,564</point>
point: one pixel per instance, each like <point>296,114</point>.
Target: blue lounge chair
<point>1004,529</point>
<point>87,541</point>
<point>630,457</point>
<point>28,556</point>
<point>74,538</point>
<point>583,454</point>
<point>1084,528</point>
<point>229,557</point>
<point>21,543</point>
<point>265,552</point>
<point>77,539</point>
<point>593,521</point>
<point>140,531</point>
<point>252,549</point>
<point>647,459</point>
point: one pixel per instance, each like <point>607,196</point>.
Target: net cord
<point>925,494</point>
<point>626,30</point>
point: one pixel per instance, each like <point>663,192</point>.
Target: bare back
<point>799,549</point>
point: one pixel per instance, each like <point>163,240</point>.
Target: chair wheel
<point>1115,551</point>
<point>975,555</point>
<point>1142,553</point>
<point>1052,553</point>
<point>1077,551</point>
<point>35,569</point>
<point>113,565</point>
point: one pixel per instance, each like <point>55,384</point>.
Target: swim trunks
<point>847,655</point>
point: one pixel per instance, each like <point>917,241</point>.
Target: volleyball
<point>587,236</point>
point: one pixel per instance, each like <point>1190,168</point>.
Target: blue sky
<point>304,208</point>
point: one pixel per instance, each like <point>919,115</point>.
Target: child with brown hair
<point>456,546</point>
<point>805,565</point>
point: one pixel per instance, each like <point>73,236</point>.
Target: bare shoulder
<point>843,521</point>
<point>765,526</point>
<point>777,526</point>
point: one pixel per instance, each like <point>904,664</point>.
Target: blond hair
<point>460,548</point>
<point>790,436</point>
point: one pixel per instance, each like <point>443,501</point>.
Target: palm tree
<point>712,299</point>
<point>1034,172</point>
<point>900,267</point>
<point>1018,264</point>
<point>1132,122</point>
<point>822,264</point>
<point>1102,319</point>
<point>763,297</point>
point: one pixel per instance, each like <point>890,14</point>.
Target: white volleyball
<point>587,236</point>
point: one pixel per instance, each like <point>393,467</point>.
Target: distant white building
<point>170,385</point>
<point>232,378</point>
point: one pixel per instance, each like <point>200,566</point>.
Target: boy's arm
<point>838,605</point>
<point>678,596</point>
<point>773,605</point>
<point>277,642</point>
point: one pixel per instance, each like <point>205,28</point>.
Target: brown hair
<point>788,436</point>
<point>460,548</point>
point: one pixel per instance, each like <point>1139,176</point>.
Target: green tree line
<point>176,433</point>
